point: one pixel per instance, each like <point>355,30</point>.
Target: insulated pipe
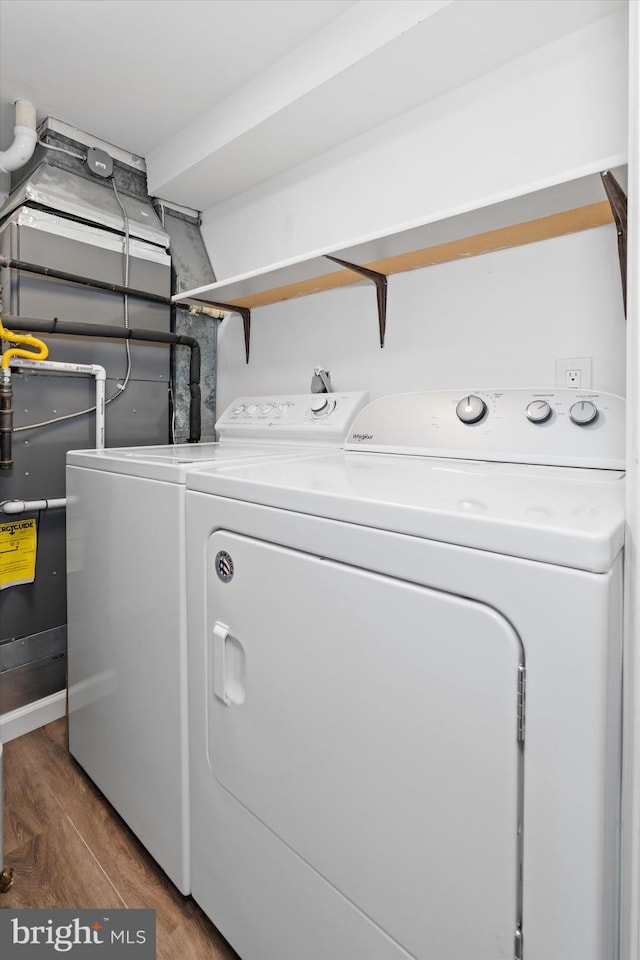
<point>122,333</point>
<point>21,150</point>
<point>41,271</point>
<point>25,506</point>
<point>92,369</point>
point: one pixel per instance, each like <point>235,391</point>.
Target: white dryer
<point>126,589</point>
<point>405,667</point>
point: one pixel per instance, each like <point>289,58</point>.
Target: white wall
<point>497,320</point>
<point>540,117</point>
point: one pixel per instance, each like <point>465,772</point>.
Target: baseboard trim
<point>33,715</point>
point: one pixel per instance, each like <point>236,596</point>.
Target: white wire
<point>121,387</point>
<point>47,423</point>
<point>69,153</point>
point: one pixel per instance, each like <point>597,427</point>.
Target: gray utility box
<point>139,416</point>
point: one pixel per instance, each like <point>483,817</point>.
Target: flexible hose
<point>6,389</point>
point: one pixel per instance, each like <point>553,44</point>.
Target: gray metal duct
<point>60,215</point>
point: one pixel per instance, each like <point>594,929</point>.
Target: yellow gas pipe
<point>41,352</point>
<point>10,337</point>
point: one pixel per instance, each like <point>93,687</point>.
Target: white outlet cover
<point>583,364</point>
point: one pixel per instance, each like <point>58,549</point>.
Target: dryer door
<point>371,724</point>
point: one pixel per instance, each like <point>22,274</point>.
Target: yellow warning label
<point>17,552</point>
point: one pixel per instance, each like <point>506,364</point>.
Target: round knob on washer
<point>321,406</point>
<point>268,407</point>
<point>471,409</point>
<point>583,413</point>
<point>237,410</point>
<point>251,409</point>
<point>538,411</point>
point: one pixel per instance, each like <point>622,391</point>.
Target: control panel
<point>316,418</point>
<point>562,427</point>
<point>472,409</point>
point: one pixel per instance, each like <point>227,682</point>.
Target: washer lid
<point>568,516</point>
<point>171,463</point>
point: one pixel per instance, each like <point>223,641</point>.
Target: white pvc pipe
<point>25,138</point>
<point>92,369</point>
<point>24,506</point>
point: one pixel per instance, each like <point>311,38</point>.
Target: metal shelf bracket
<point>381,290</point>
<point>244,312</point>
<point>618,203</point>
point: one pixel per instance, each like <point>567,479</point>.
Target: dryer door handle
<point>228,664</point>
<point>220,634</point>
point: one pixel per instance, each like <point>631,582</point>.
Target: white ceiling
<point>135,72</point>
<point>218,95</point>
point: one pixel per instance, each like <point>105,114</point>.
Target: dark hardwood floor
<point>69,849</point>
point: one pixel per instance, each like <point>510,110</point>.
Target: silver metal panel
<point>205,331</point>
<point>34,296</point>
<point>192,267</point>
<point>26,650</point>
<point>139,416</point>
<point>86,199</point>
<point>32,682</point>
<point>32,667</point>
<point>39,455</point>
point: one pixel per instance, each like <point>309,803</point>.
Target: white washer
<point>128,715</point>
<point>405,685</point>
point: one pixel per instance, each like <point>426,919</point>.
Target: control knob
<point>471,409</point>
<point>583,413</point>
<point>538,411</point>
<point>321,406</point>
<point>238,410</point>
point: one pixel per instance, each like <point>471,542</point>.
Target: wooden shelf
<point>570,207</point>
<point>557,225</point>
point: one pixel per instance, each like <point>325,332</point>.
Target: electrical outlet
<point>574,372</point>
